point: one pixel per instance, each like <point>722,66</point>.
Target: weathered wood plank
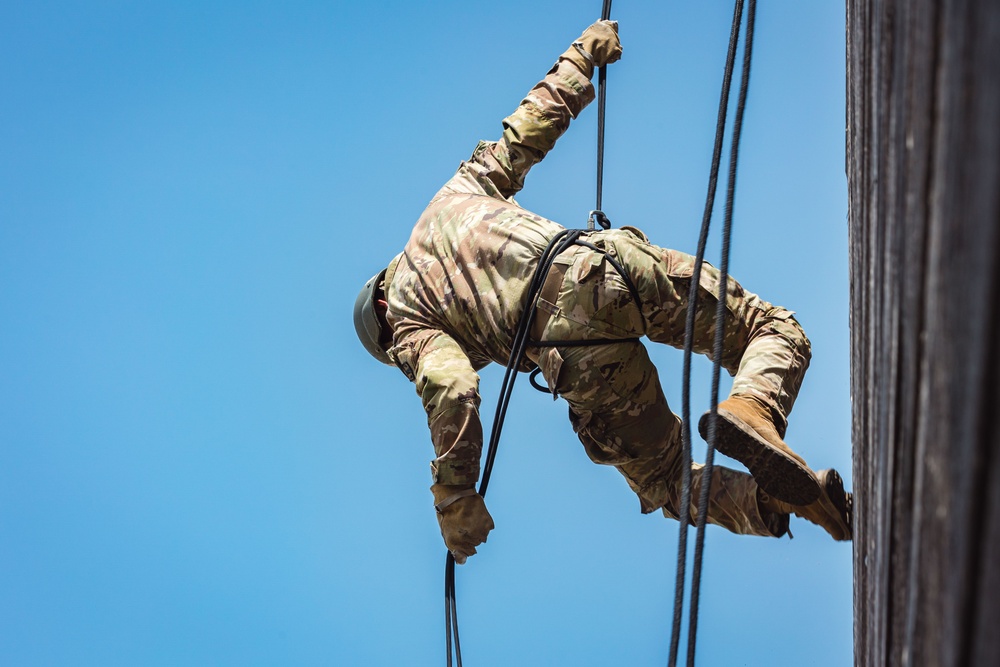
<point>923,167</point>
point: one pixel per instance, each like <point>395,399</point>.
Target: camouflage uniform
<point>458,290</point>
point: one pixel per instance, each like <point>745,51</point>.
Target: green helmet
<point>366,321</point>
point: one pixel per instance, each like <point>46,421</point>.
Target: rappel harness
<point>521,341</point>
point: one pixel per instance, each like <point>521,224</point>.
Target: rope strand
<point>720,321</point>
<point>560,242</point>
<point>602,93</point>
<point>683,512</point>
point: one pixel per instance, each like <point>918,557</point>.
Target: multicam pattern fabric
<point>457,291</point>
<point>617,407</point>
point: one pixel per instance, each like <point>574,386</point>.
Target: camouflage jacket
<point>459,287</point>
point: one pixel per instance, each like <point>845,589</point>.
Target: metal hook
<point>601,219</point>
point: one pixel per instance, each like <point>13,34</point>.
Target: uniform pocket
<point>551,363</point>
<point>608,388</point>
<point>630,375</point>
<point>595,296</point>
<point>681,270</point>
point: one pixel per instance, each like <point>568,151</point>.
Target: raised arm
<point>542,117</point>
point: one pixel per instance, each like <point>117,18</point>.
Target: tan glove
<point>596,47</point>
<point>463,517</point>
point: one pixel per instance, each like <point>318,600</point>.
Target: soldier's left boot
<point>833,511</point>
<point>746,432</point>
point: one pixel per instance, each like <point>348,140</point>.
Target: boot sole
<point>777,473</point>
<point>841,502</point>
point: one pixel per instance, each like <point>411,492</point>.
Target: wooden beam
<point>923,166</point>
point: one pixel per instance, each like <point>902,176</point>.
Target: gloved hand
<point>463,518</point>
<point>597,46</point>
<point>601,41</point>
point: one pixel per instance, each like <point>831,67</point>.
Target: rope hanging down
<point>703,500</point>
<point>557,245</point>
<point>560,242</point>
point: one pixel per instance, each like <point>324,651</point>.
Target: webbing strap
<point>453,498</point>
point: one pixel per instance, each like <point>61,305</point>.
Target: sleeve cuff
<point>445,470</point>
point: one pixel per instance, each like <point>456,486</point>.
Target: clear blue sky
<point>199,465</point>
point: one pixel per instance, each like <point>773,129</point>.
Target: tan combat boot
<point>746,432</point>
<point>833,511</point>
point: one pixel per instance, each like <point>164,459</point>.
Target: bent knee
<point>778,321</point>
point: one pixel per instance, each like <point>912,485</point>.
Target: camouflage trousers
<point>616,404</point>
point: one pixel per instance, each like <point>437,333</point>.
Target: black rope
<point>560,242</point>
<point>602,93</point>
<point>683,512</point>
<point>720,320</point>
<point>451,610</point>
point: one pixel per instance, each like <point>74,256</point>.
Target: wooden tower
<point>923,165</point>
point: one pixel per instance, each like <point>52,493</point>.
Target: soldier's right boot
<point>746,432</point>
<point>833,510</point>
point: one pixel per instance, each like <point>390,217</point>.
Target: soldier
<point>449,304</point>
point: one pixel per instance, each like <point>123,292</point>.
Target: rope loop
<point>600,218</point>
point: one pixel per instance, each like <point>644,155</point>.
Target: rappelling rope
<point>562,241</point>
<point>522,340</point>
<point>602,93</point>
<point>683,510</point>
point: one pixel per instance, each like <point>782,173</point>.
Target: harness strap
<point>465,493</point>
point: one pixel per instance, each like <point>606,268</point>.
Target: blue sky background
<point>199,465</point>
